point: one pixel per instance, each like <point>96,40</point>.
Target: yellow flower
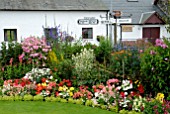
<point>60,89</point>
<point>71,88</point>
<point>65,88</point>
<point>44,84</point>
<point>136,81</point>
<point>160,97</point>
<point>71,94</point>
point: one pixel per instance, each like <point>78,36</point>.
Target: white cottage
<point>138,19</point>
<point>79,18</point>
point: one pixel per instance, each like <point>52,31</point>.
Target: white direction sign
<point>105,22</point>
<point>128,20</point>
<point>124,20</point>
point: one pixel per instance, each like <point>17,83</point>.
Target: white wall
<point>137,32</point>
<point>30,23</point>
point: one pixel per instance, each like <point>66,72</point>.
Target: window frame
<point>88,36</point>
<point>10,30</point>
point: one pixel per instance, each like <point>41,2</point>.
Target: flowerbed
<point>76,74</point>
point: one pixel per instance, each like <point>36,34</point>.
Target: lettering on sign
<point>88,21</point>
<point>124,21</point>
<point>127,28</point>
<point>105,22</point>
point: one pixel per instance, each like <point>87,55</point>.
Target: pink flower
<point>35,47</point>
<point>20,57</point>
<point>141,51</point>
<point>45,50</point>
<point>164,46</point>
<point>11,60</point>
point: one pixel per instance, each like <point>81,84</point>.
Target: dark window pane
<point>87,33</point>
<point>10,34</point>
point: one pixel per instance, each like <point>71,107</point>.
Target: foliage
<point>155,68</point>
<point>156,107</point>
<point>9,53</point>
<point>38,98</point>
<point>65,69</point>
<point>15,71</point>
<point>28,97</point>
<point>83,65</point>
<point>125,63</point>
<point>103,51</point>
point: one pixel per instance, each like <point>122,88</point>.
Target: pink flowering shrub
<point>35,50</point>
<point>155,67</point>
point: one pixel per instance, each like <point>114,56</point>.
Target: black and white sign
<point>88,21</point>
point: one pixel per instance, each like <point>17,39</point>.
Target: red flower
<point>141,89</point>
<point>122,94</point>
<point>38,92</point>
<point>43,80</point>
<point>23,83</point>
<point>69,84</point>
<point>56,93</point>
<point>60,84</point>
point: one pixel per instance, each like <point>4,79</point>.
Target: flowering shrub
<point>155,68</point>
<point>35,50</point>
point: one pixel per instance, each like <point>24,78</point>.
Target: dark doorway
<point>151,33</point>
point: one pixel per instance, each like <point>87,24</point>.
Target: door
<point>151,33</point>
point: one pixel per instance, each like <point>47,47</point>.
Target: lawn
<point>23,107</point>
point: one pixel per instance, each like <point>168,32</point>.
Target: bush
<point>156,107</point>
<point>28,97</point>
<point>83,65</point>
<point>35,50</point>
<point>9,53</point>
<point>38,98</point>
<point>155,68</point>
<point>103,51</point>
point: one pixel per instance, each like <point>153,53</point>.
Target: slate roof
<point>133,8</point>
<point>96,5</point>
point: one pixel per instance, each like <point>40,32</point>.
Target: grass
<point>28,107</point>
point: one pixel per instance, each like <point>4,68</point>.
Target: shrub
<point>156,107</point>
<point>83,65</point>
<point>9,53</point>
<point>35,50</point>
<point>38,98</point>
<point>155,68</point>
<point>103,51</point>
<point>28,97</point>
<point>125,63</point>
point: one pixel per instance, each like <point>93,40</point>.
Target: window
<point>87,33</point>
<point>50,32</point>
<point>10,34</point>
